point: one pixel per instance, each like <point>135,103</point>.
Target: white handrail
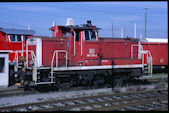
<point>82,36</point>
<point>56,52</point>
<point>132,49</point>
<point>33,57</point>
<point>74,43</point>
<point>143,52</point>
<point>148,56</point>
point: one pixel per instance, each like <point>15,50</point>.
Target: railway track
<point>21,91</point>
<point>11,90</point>
<point>140,100</point>
<point>15,92</point>
<point>155,80</point>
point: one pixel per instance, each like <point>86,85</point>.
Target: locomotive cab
<point>91,48</point>
<point>82,43</point>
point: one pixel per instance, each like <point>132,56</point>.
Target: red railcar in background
<point>159,52</point>
<point>14,39</point>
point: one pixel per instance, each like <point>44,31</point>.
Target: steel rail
<point>11,90</point>
<point>160,109</point>
<point>90,104</point>
<point>17,93</point>
<point>72,99</point>
<point>120,106</point>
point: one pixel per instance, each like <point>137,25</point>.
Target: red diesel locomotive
<point>75,55</point>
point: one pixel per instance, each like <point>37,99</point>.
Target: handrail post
<point>131,51</point>
<point>57,59</point>
<point>66,57</point>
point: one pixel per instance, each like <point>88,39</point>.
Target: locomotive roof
<point>112,38</point>
<point>41,37</point>
<point>18,31</point>
<point>81,27</point>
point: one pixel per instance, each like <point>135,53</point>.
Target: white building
<point>4,68</point>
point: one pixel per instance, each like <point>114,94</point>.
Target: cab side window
<point>90,35</point>
<point>25,37</point>
<point>77,35</point>
<point>12,38</point>
<point>93,35</point>
<point>87,37</point>
<point>15,38</point>
<point>19,39</point>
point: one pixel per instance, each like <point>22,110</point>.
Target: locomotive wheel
<point>88,80</point>
<point>98,81</point>
<point>118,80</point>
<point>63,83</point>
<point>44,87</point>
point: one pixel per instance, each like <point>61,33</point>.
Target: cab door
<point>91,48</point>
<point>76,48</point>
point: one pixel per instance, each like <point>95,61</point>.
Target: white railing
<point>149,60</point>
<point>148,55</point>
<point>57,58</point>
<point>33,57</point>
<point>141,49</point>
<point>142,53</point>
<point>56,53</point>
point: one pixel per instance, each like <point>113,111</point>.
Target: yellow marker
<point>18,84</point>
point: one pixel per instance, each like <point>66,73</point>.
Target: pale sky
<point>40,16</point>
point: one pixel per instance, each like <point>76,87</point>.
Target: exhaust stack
<point>70,22</point>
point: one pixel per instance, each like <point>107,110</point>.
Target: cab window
<point>25,37</point>
<point>12,38</point>
<point>90,35</point>
<point>77,35</point>
<point>93,35</point>
<point>19,39</point>
<point>87,37</point>
<point>15,38</point>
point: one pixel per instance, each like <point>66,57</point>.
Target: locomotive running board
<point>82,68</point>
<point>96,67</point>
